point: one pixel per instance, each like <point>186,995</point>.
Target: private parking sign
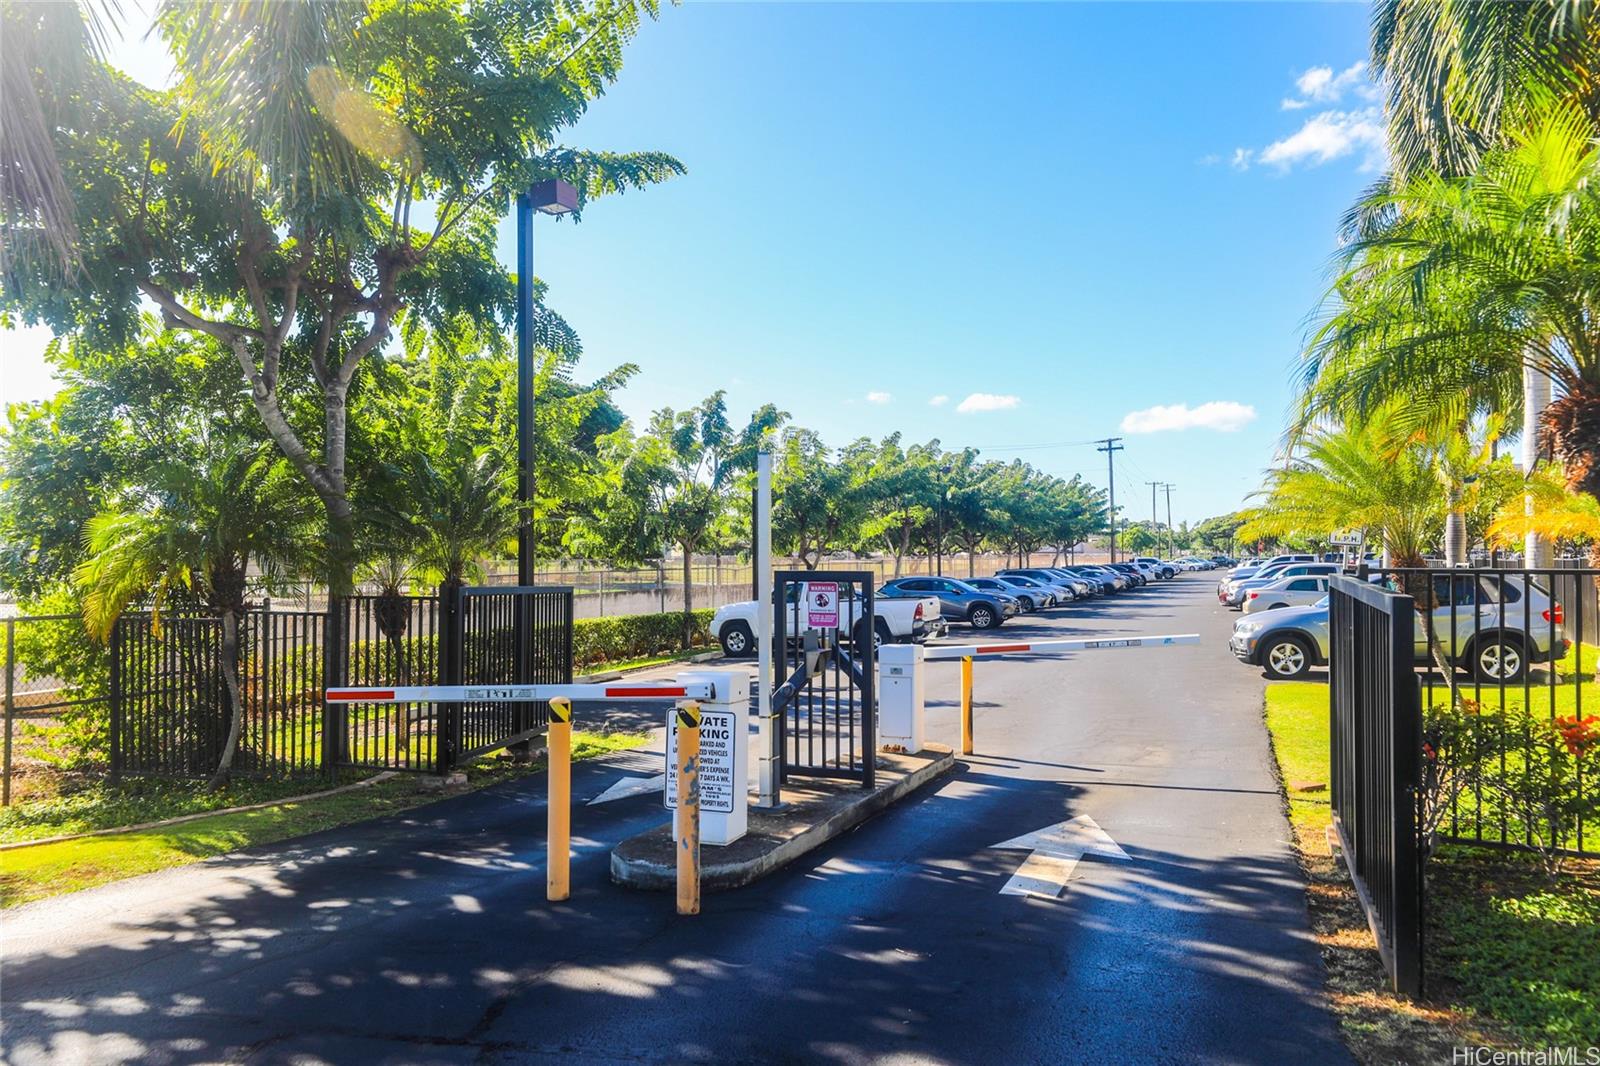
<point>822,605</point>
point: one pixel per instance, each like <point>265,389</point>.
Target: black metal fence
<point>1376,766</point>
<point>828,725</point>
<point>170,707</point>
<point>1508,679</point>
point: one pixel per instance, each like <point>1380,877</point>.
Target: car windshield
<point>1321,603</point>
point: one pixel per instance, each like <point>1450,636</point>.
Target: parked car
<point>1233,593</point>
<point>1032,599</point>
<point>1079,585</point>
<point>1045,595</point>
<point>1300,591</point>
<point>958,601</point>
<point>1044,577</point>
<point>1136,576</point>
<point>1115,579</point>
<point>1162,567</point>
<point>895,621</point>
<point>1492,638</point>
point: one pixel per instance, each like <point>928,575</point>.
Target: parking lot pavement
<point>1178,936</point>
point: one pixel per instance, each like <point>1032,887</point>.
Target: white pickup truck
<point>895,621</point>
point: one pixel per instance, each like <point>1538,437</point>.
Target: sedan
<point>1300,591</point>
<point>1032,597</point>
<point>958,601</point>
<point>1057,585</point>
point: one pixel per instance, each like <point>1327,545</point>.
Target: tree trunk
<point>1537,550</point>
<point>230,678</point>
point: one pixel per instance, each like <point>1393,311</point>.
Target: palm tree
<point>449,510</point>
<point>1375,477</point>
<point>1457,75</point>
<point>192,533</point>
<point>1452,287</point>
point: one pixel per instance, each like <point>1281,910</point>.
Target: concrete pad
<point>814,812</point>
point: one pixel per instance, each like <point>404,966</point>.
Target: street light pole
<point>1172,542</point>
<point>552,197</point>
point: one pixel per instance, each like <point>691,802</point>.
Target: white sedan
<point>1302,591</point>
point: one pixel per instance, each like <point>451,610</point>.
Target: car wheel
<point>1286,658</point>
<point>983,617</point>
<point>1500,659</point>
<point>737,641</point>
<point>1028,604</point>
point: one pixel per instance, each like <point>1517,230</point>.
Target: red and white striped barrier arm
<point>516,693</point>
<point>935,652</point>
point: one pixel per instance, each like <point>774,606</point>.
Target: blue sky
<point>1098,219</point>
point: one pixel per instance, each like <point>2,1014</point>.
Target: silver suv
<point>1494,627</point>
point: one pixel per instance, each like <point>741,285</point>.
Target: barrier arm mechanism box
<point>724,757</point>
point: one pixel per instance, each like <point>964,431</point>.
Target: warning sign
<point>717,747</point>
<point>822,605</point>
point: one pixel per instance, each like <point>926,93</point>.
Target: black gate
<point>171,708</point>
<point>1377,766</point>
<point>503,635</point>
<point>823,675</point>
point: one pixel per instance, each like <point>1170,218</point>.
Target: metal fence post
<point>11,707</point>
<point>334,732</point>
<point>451,654</point>
<point>116,703</point>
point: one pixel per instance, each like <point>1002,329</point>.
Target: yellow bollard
<point>558,803</point>
<point>966,705</point>
<point>688,807</point>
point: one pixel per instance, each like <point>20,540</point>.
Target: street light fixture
<point>550,197</point>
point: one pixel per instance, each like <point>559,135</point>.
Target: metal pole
<point>688,722</point>
<point>966,705</point>
<point>1110,446</point>
<point>767,785</point>
<point>1172,544</point>
<point>1155,526</point>
<point>525,371</point>
<point>11,706</point>
<point>558,801</point>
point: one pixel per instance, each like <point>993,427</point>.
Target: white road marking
<point>1055,851</point>
<point>625,787</point>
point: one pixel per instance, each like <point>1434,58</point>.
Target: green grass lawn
<point>1505,943</point>
<point>66,866</point>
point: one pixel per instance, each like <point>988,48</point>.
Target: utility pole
<point>1155,526</point>
<point>1172,544</point>
<point>1110,446</point>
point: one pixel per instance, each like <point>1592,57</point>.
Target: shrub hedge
<point>633,636</point>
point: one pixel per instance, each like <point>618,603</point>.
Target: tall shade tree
<point>672,485</point>
<point>190,536</point>
<point>269,200</point>
<point>818,504</point>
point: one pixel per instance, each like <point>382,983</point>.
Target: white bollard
<point>900,697</point>
<point>724,756</point>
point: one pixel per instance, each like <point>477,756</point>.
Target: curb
<point>113,830</point>
<point>648,873</point>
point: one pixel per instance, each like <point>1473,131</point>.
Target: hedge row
<point>633,636</point>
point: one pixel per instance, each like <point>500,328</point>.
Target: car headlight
<point>1249,627</point>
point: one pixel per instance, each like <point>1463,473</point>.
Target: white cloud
<point>1330,135</point>
<point>1222,416</point>
<point>987,401</point>
<point>938,401</point>
<point>1320,85</point>
<point>879,397</point>
<point>1356,129</point>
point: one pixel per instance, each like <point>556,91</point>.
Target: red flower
<point>1581,735</point>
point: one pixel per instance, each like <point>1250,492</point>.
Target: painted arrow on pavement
<point>1056,850</point>
<point>624,787</point>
